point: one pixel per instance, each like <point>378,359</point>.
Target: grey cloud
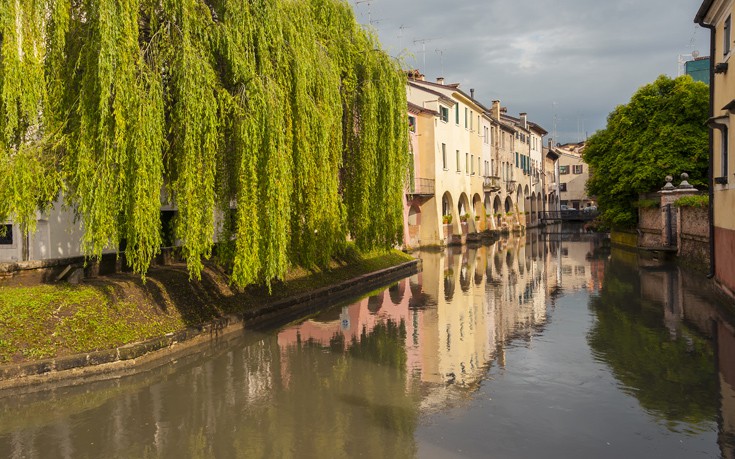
<point>584,56</point>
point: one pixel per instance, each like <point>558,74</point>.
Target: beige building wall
<point>573,175</point>
<point>720,15</point>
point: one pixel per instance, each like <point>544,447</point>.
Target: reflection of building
<point>579,267</point>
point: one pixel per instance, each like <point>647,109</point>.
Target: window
<point>459,169</point>
<point>412,123</point>
<point>444,156</point>
<point>562,187</point>
<point>466,163</point>
<point>472,163</point>
<point>563,170</point>
<point>456,114</point>
<point>479,165</point>
<point>472,115</point>
<point>724,151</point>
<point>518,160</point>
<point>726,37</point>
<point>577,169</point>
<point>465,117</point>
<point>486,134</point>
<point>444,114</point>
<point>6,234</point>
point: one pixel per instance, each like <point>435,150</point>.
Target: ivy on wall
<point>276,125</point>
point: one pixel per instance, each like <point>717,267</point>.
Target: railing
<point>491,183</point>
<point>422,187</point>
<point>572,215</point>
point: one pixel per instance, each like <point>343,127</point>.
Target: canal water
<point>546,345</point>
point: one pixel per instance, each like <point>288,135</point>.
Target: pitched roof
<point>418,109</point>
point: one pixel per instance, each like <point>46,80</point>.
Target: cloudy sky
<point>569,60</point>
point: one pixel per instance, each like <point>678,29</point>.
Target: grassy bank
<point>43,321</point>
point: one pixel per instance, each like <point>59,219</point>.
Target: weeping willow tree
<point>274,127</point>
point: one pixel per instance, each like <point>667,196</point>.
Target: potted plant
<point>447,219</point>
<point>463,218</point>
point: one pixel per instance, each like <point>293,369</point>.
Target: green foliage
<point>701,200</point>
<point>284,112</point>
<point>660,132</point>
<point>647,203</point>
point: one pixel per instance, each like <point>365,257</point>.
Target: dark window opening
<point>6,234</point>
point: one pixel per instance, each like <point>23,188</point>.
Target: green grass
<point>44,321</point>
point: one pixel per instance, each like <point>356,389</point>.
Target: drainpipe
<point>700,20</point>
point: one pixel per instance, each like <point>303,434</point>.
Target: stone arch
<point>478,211</point>
<point>449,210</point>
<point>520,201</point>
<point>375,302</point>
<point>463,208</point>
<point>497,209</point>
<point>508,206</point>
<point>448,284</point>
<point>539,207</point>
<point>397,291</point>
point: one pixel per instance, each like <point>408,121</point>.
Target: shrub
<point>700,200</point>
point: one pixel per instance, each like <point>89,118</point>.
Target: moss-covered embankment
<point>43,322</point>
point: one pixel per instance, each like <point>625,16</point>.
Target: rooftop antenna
<point>440,52</point>
<point>423,42</point>
<point>400,34</point>
<point>369,2</point>
<point>553,110</point>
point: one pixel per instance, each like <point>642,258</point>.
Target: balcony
<point>421,187</point>
<point>491,184</point>
<point>510,186</point>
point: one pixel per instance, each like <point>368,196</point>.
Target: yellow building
<point>453,147</point>
<point>717,15</point>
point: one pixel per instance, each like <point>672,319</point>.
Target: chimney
<point>472,93</point>
<point>440,80</point>
<point>524,120</point>
<point>551,143</point>
<point>495,111</point>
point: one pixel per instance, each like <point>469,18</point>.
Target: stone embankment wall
<point>649,227</point>
<point>669,228</point>
<point>693,237</point>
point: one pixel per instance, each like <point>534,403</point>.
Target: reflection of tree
<point>673,380</point>
<point>448,284</point>
<point>384,344</point>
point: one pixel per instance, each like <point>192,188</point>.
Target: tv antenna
<point>423,42</point>
<point>440,52</point>
<point>400,34</point>
<point>369,2</point>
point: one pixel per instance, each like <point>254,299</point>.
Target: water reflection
<point>486,346</point>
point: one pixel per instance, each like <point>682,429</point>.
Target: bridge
<point>570,215</point>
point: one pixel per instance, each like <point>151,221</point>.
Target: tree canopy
<point>279,125</point>
<point>660,132</point>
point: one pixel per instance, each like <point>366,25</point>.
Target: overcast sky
<point>573,60</point>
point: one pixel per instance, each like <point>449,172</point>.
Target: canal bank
<point>208,309</point>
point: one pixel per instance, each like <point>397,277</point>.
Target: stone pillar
<point>670,217</point>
